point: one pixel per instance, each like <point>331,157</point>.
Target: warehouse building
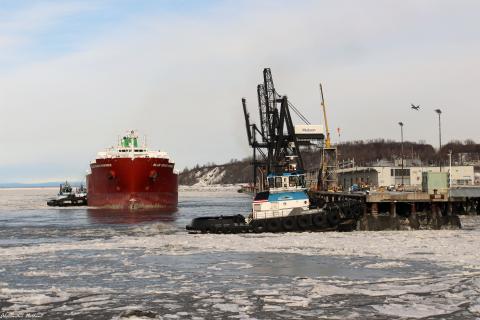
<point>384,176</point>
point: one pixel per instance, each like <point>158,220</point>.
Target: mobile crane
<point>327,178</point>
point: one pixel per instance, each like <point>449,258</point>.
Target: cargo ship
<point>130,176</point>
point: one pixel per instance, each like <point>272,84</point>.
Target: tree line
<point>363,152</point>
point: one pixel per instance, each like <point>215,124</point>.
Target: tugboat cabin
<point>286,196</point>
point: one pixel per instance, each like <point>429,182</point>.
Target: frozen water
<point>91,264</point>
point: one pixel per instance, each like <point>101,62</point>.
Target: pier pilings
<point>404,210</point>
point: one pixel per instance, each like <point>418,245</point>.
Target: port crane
<point>276,142</point>
<point>322,102</point>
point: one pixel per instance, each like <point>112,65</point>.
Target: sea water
<point>80,263</point>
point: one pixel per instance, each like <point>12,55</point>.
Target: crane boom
<point>327,140</point>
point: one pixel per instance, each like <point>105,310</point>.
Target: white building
<point>384,176</point>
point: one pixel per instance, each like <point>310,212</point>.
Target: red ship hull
<point>133,183</point>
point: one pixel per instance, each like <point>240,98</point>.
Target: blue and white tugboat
<point>283,207</point>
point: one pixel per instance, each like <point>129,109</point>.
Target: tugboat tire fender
<point>333,218</point>
<point>258,228</point>
<point>319,220</point>
<point>289,223</point>
<point>304,221</point>
<point>273,225</point>
<point>239,219</point>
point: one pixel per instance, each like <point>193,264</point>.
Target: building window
<point>400,172</point>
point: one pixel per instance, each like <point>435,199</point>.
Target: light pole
<point>401,133</point>
<point>450,169</point>
<point>439,112</point>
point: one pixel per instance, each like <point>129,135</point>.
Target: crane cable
<point>297,112</point>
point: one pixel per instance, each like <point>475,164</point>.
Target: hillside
<point>231,173</point>
<point>362,152</point>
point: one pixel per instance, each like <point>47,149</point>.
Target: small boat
<point>68,197</point>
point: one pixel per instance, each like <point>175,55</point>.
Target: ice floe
<point>445,247</point>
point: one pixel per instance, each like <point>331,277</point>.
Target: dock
<point>410,210</point>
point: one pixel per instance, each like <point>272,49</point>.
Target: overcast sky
<point>76,74</point>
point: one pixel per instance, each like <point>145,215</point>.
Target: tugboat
<point>284,207</point>
<point>67,197</point>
